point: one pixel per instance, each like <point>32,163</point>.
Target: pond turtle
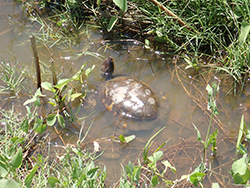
<point>126,96</point>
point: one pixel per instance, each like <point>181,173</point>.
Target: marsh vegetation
<point>211,40</point>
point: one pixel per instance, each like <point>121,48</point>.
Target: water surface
<point>181,103</point>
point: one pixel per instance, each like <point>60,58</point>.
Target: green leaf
<point>16,161</point>
<point>245,28</point>
<point>38,93</point>
<point>137,173</point>
<point>52,181</point>
<point>156,156</point>
<point>48,86</point>
<point>129,138</point>
<point>3,169</point>
<point>30,101</point>
<point>215,185</point>
<point>198,132</point>
<point>148,145</point>
<point>30,176</point>
<point>51,119</point>
<point>89,70</point>
<point>78,74</point>
<point>98,2</point>
<point>40,158</point>
<point>75,95</point>
<point>8,183</point>
<point>112,22</point>
<point>41,129</point>
<point>167,164</point>
<point>155,180</point>
<point>240,166</point>
<point>91,173</point>
<point>240,134</point>
<point>34,98</point>
<point>242,149</point>
<point>61,120</point>
<point>241,179</point>
<point>122,4</point>
<point>25,125</point>
<point>122,139</point>
<point>62,82</point>
<point>196,178</point>
<point>209,90</point>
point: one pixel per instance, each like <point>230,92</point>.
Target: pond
<point>181,94</point>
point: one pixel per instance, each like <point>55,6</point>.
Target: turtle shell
<point>128,97</point>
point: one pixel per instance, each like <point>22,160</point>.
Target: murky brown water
<point>177,107</point>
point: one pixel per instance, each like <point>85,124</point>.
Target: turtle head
<point>107,68</point>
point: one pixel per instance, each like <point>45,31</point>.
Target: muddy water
<point>179,108</point>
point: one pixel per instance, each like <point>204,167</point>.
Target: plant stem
<point>206,141</point>
<point>38,73</point>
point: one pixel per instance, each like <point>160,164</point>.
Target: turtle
<point>125,96</point>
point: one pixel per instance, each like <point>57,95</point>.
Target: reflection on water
<point>179,108</point>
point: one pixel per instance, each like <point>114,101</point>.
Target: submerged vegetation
<point>192,29</point>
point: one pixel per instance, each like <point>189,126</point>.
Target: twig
<point>54,78</point>
<point>59,136</point>
<point>38,73</point>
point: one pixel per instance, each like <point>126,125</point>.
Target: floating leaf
<point>129,138</point>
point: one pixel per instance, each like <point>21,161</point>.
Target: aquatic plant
<point>58,101</point>
<point>147,172</point>
<point>12,79</point>
<point>240,168</point>
<point>198,174</point>
<point>74,167</point>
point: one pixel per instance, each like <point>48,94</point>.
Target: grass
<point>74,167</point>
<point>12,79</point>
<point>209,27</point>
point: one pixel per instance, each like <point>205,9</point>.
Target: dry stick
<point>175,17</point>
<point>215,119</point>
<point>38,73</point>
<point>54,78</point>
<point>59,136</point>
